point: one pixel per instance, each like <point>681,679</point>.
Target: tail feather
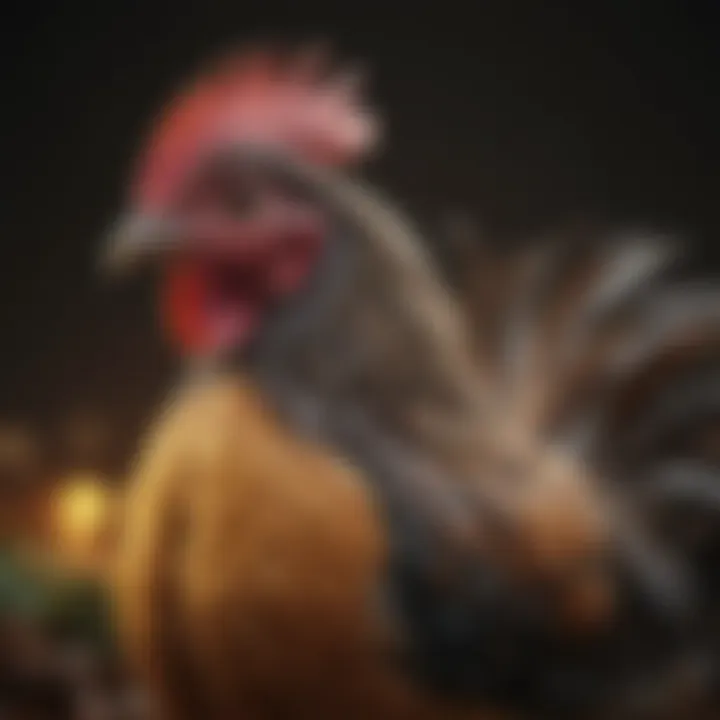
<point>598,338</point>
<point>606,349</point>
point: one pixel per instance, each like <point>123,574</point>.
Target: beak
<point>135,242</point>
<point>140,240</point>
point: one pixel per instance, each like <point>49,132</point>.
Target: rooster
<point>380,492</point>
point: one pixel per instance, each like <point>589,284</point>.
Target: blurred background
<point>524,114</point>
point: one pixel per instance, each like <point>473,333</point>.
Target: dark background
<point>526,113</point>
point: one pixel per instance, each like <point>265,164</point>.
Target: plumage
<point>234,573</point>
<point>388,494</point>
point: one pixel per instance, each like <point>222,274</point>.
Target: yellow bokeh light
<point>82,505</point>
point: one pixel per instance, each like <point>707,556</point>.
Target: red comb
<point>292,102</point>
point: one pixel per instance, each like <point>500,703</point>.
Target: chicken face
<point>235,244</point>
<point>234,247</point>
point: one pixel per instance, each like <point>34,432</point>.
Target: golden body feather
<point>249,572</point>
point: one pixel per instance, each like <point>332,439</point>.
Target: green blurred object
<point>78,611</point>
<point>22,593</point>
<point>68,608</point>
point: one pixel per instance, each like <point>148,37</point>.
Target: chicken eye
<point>241,201</point>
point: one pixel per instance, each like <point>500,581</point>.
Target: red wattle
<point>199,319</point>
<point>183,301</point>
